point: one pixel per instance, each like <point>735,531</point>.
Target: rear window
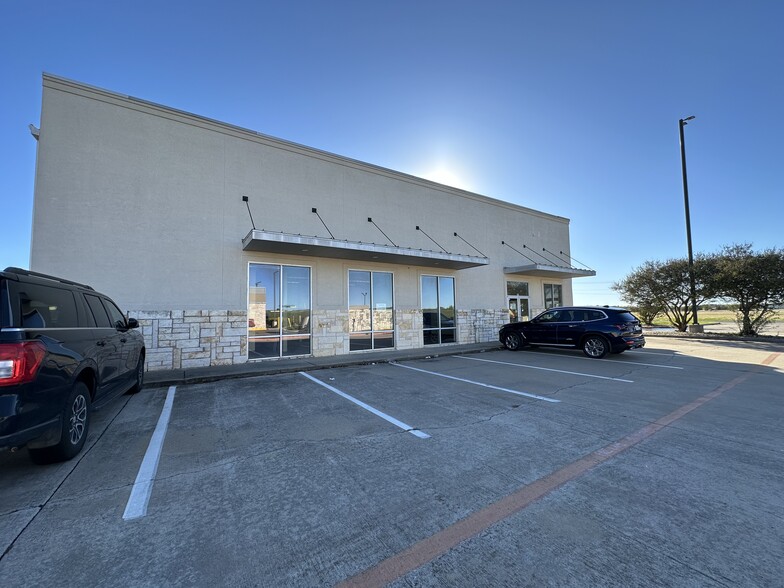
<point>44,307</point>
<point>627,317</point>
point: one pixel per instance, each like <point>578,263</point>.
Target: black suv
<point>597,330</point>
<point>64,349</point>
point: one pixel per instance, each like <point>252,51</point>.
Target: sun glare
<point>445,176</point>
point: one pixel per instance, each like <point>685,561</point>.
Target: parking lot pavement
<point>658,467</point>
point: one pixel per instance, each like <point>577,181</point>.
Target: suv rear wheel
<point>595,346</point>
<point>75,425</point>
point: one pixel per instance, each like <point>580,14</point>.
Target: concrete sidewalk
<point>298,364</point>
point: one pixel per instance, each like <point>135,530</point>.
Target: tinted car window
<point>99,313</point>
<point>627,317</point>
<point>549,317</point>
<point>5,305</point>
<point>47,307</point>
<point>593,315</point>
<point>117,317</point>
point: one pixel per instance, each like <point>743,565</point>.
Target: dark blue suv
<point>64,349</point>
<point>597,330</point>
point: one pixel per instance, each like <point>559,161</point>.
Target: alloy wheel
<point>595,347</point>
<point>78,419</point>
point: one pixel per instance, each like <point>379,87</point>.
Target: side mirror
<point>133,323</point>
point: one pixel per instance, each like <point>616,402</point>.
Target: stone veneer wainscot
<point>177,339</point>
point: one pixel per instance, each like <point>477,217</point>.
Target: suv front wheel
<point>512,341</point>
<point>75,425</point>
<point>595,346</point>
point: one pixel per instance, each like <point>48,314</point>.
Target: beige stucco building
<point>146,203</point>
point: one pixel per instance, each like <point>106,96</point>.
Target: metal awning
<point>270,242</point>
<point>549,271</point>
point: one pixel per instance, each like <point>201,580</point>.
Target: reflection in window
<point>516,288</point>
<point>430,302</point>
<point>370,310</point>
<point>47,307</point>
<point>439,320</point>
<point>553,295</point>
<point>278,310</point>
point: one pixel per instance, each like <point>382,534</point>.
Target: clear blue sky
<point>567,107</point>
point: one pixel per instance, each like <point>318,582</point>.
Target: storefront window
<point>517,301</point>
<point>553,295</point>
<point>439,320</point>
<point>370,309</point>
<point>516,288</point>
<point>278,310</point>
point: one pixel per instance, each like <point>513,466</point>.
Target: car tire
<point>595,346</point>
<point>139,374</point>
<point>512,341</point>
<point>75,426</point>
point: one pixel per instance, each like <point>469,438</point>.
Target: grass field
<point>714,316</point>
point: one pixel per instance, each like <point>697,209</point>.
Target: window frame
<point>440,328</point>
<point>280,336</point>
<point>372,332</point>
<point>552,297</point>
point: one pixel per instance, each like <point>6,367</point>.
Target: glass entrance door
<point>518,308</point>
<point>278,310</point>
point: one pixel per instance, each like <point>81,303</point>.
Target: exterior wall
<point>328,337</point>
<point>180,339</point>
<point>480,325</point>
<point>193,338</point>
<point>150,198</point>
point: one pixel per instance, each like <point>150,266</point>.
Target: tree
<point>755,281</point>
<point>665,285</point>
<point>638,289</point>
<point>647,313</point>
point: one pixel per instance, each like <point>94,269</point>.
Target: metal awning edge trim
<point>356,246</point>
<point>549,271</point>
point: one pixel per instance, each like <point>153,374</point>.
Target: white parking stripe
<point>386,417</point>
<point>535,367</point>
<point>617,361</point>
<point>670,353</point>
<point>630,362</point>
<point>545,398</point>
<point>142,487</point>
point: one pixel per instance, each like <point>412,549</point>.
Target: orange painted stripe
<point>771,358</point>
<point>428,549</point>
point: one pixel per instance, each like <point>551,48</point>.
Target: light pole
<point>695,327</point>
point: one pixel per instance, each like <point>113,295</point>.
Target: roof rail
<point>24,272</point>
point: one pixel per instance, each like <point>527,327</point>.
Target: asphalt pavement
<point>659,467</point>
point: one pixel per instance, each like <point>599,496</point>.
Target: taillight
<point>19,362</point>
